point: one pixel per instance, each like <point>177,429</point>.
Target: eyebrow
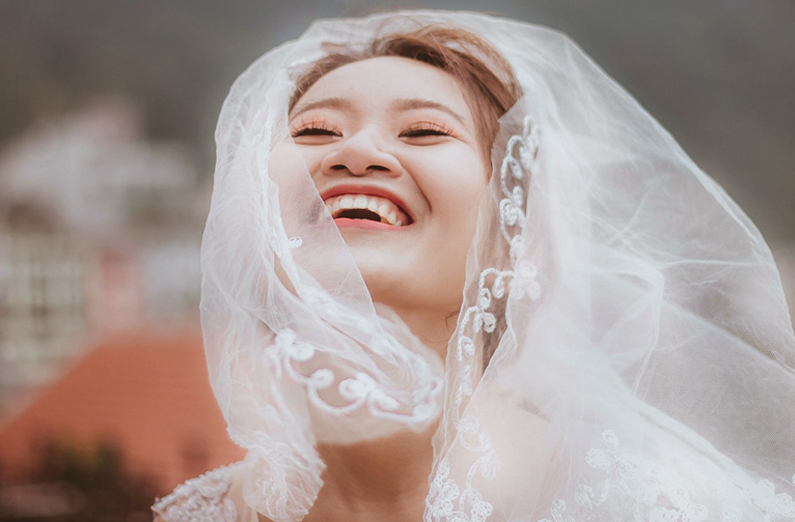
<point>419,103</point>
<point>325,103</point>
<point>406,104</point>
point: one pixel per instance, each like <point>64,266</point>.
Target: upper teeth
<point>387,210</point>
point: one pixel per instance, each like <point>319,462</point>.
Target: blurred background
<point>107,113</point>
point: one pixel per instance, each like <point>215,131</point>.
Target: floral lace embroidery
<point>523,272</point>
<point>776,507</point>
<point>444,491</point>
<point>637,489</point>
<point>201,499</point>
<point>359,390</point>
<point>492,284</point>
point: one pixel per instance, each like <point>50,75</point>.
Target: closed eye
<point>422,129</point>
<point>315,129</point>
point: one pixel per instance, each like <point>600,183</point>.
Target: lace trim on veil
<point>646,491</point>
<point>201,499</point>
<point>637,489</point>
<point>446,499</point>
<point>521,277</point>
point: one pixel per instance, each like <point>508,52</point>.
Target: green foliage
<point>71,484</point>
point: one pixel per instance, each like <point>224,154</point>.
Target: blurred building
<point>145,393</point>
<point>43,282</point>
<point>96,175</point>
<point>99,231</point>
<point>100,353</point>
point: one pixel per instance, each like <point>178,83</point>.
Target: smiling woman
<point>621,349</point>
<point>367,140</point>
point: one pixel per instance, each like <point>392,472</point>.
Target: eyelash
<point>315,128</point>
<point>416,130</point>
<point>421,129</point>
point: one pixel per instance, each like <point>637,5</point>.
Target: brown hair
<point>490,90</point>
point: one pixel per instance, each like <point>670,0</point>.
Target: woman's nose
<point>360,154</point>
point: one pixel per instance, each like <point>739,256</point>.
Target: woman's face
<point>392,148</point>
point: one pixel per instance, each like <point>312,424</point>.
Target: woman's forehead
<point>382,81</point>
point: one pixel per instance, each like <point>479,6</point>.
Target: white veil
<point>639,357</point>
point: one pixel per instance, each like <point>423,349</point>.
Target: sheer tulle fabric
<point>624,350</point>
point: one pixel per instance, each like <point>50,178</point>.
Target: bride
<point>453,272</point>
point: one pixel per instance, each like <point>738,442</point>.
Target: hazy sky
<point>718,74</point>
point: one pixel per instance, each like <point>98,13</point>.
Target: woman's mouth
<point>368,208</point>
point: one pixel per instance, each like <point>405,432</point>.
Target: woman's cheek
<point>457,176</point>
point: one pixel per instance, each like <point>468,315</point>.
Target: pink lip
<point>368,191</point>
<point>367,224</point>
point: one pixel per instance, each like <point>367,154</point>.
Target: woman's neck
<point>384,479</point>
<point>432,327</point>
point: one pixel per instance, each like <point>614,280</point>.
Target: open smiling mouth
<point>371,209</point>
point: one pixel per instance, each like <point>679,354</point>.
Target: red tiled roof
<point>146,392</point>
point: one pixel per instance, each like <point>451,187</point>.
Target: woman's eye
<point>314,130</point>
<point>425,129</point>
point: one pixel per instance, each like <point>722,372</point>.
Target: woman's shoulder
<point>204,498</point>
